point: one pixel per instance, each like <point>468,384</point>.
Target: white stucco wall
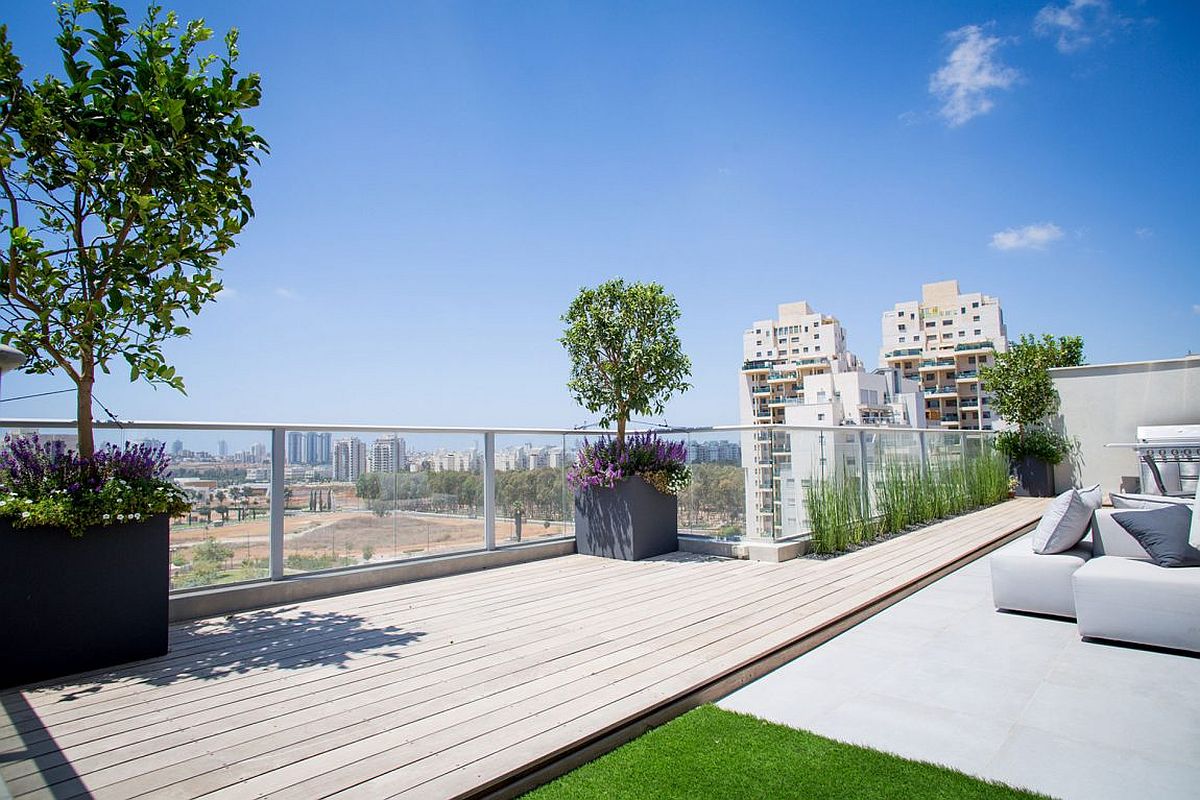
<point>1105,403</point>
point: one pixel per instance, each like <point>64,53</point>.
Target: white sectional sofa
<point>1109,584</point>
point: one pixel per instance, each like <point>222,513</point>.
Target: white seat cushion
<point>1036,582</point>
<point>1131,600</point>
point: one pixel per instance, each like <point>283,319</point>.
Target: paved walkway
<point>943,677</point>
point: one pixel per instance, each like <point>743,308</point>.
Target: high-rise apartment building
<point>318,447</point>
<point>779,354</point>
<point>349,459</point>
<point>297,447</point>
<point>388,454</point>
<point>223,448</point>
<point>942,340</point>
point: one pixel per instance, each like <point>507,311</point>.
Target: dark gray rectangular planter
<point>631,521</point>
<point>1036,477</point>
<point>70,604</point>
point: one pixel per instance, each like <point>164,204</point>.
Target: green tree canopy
<point>121,184</point>
<point>1023,393</point>
<point>626,357</point>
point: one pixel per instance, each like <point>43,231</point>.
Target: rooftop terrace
<point>470,685</point>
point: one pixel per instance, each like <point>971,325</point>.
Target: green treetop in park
<point>121,183</point>
<point>626,357</point>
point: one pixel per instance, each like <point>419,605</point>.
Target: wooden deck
<point>465,685</point>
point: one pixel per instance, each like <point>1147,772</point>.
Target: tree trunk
<point>621,431</point>
<point>83,416</point>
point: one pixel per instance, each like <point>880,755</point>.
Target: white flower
<point>106,516</point>
<point>121,517</point>
<point>25,514</point>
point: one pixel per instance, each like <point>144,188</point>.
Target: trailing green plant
<point>1033,442</point>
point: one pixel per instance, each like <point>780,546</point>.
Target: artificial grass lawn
<point>713,753</point>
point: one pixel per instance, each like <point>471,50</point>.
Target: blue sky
<point>445,176</point>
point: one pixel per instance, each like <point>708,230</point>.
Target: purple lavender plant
<point>47,484</point>
<point>604,463</point>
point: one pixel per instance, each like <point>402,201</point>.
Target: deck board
<point>438,688</point>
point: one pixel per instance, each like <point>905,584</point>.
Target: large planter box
<point>1036,477</point>
<point>631,521</point>
<point>70,604</point>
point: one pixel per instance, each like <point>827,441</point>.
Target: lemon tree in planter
<point>1024,396</point>
<point>626,358</point>
<point>122,181</point>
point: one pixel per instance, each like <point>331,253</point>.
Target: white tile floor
<point>943,677</point>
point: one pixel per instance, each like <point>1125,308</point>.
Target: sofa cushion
<point>1163,532</point>
<point>1147,501</point>
<point>1063,524</point>
<point>1041,584</point>
<point>1093,496</point>
<point>1137,601</point>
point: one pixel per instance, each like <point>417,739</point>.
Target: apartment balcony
<point>760,390</point>
<point>757,365</point>
<point>941,391</point>
<point>937,365</point>
<point>968,402</point>
<point>903,353</point>
<point>982,346</point>
<point>968,375</point>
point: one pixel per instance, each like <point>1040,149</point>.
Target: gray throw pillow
<point>1132,501</point>
<point>1093,496</point>
<point>1063,525</point>
<point>1163,532</point>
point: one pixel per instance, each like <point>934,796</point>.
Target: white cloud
<point>286,294</point>
<point>971,73</point>
<point>1030,237</point>
<point>1196,308</point>
<point>228,293</point>
<point>1078,24</point>
<point>1144,233</point>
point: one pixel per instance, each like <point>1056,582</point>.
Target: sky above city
<point>444,177</point>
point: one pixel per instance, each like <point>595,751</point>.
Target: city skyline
<point>785,157</point>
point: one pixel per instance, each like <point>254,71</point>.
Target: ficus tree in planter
<point>1023,394</point>
<point>121,184</point>
<point>626,357</point>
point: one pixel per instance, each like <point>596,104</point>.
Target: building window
<point>931,323</point>
<point>817,349</point>
<point>975,305</point>
<point>978,332</point>
<point>902,340</point>
<point>820,417</point>
<point>975,318</point>
<point>962,334</point>
<point>816,336</point>
<point>970,359</point>
<point>901,326</point>
<point>947,322</point>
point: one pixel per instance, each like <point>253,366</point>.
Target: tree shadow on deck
<point>286,638</point>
